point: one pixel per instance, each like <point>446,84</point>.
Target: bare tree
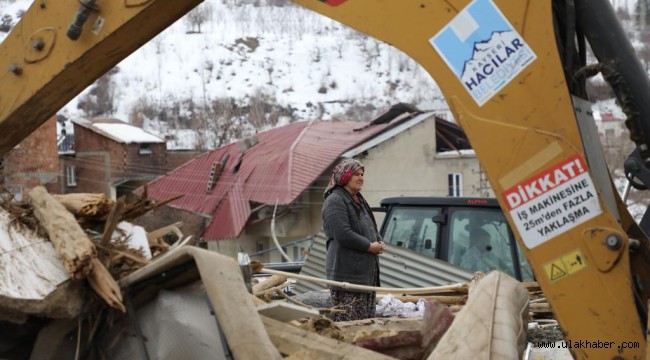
<point>101,99</point>
<point>6,23</point>
<point>197,17</point>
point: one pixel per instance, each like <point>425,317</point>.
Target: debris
<point>143,205</point>
<point>283,311</point>
<point>436,321</point>
<point>79,256</point>
<point>494,318</point>
<point>389,306</point>
<point>76,250</point>
<point>269,283</point>
<point>225,288</point>
<point>322,326</point>
<point>86,205</point>
<point>289,339</point>
<point>155,238</point>
<point>100,246</point>
<point>413,344</point>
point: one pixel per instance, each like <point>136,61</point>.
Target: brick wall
<point>102,163</point>
<point>34,161</point>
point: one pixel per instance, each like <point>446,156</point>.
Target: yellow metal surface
<point>565,266</point>
<point>528,125</point>
<point>525,130</point>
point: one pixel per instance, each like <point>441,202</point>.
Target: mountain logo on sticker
<point>482,49</point>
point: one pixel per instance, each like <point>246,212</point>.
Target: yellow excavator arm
<point>513,73</point>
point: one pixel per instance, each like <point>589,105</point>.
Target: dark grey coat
<point>349,236</point>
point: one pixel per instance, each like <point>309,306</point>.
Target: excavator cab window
<point>414,229</point>
<point>480,240</point>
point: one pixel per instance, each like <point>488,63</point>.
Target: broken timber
<point>70,241</point>
<point>78,253</point>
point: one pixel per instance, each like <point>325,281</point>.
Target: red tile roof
<point>279,168</point>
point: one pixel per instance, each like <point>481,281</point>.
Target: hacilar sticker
<point>483,49</point>
<point>552,202</point>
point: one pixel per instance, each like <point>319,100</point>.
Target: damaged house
<point>271,185</point>
<point>112,157</point>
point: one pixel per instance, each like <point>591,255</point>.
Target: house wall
<point>301,220</point>
<point>144,166</point>
<point>176,158</point>
<point>34,161</point>
<point>101,163</point>
<point>407,165</point>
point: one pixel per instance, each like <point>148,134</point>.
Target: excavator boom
<point>45,68</point>
<point>513,73</point>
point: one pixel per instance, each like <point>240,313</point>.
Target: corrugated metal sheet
<point>279,168</point>
<point>398,267</point>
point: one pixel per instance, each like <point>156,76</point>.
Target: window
<point>145,149</point>
<point>466,251</point>
<point>455,184</point>
<point>71,176</point>
<point>413,229</point>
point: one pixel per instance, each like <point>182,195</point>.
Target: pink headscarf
<point>342,174</point>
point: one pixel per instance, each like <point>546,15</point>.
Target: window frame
<point>145,149</point>
<point>71,176</point>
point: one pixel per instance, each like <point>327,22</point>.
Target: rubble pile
<point>58,249</point>
<point>86,232</point>
<point>409,326</point>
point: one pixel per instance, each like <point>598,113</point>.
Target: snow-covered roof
<point>118,130</point>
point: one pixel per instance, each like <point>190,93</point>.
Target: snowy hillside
<point>293,63</point>
<point>231,68</point>
<point>260,65</point>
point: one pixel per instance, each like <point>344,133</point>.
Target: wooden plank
<point>284,311</point>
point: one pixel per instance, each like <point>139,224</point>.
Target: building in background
<point>271,185</point>
<point>33,162</point>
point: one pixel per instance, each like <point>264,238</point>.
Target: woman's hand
<point>376,248</point>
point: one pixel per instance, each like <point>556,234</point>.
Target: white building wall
<point>407,165</point>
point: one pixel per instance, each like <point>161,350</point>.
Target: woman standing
<point>353,242</point>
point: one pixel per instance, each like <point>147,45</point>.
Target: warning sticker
<point>555,270</point>
<point>552,202</point>
<point>565,266</point>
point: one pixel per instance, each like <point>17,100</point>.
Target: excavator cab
<point>442,228</point>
